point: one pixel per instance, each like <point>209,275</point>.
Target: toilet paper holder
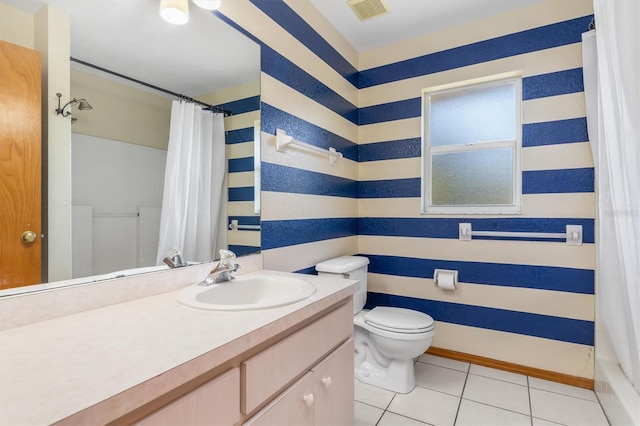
<point>445,279</point>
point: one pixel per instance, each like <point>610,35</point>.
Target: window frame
<point>426,205</point>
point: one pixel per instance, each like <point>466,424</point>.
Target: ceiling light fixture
<point>208,4</point>
<point>175,11</point>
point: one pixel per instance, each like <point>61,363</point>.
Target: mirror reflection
<point>120,147</point>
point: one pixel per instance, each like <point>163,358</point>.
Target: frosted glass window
<point>471,147</point>
<point>471,116</point>
<point>473,178</point>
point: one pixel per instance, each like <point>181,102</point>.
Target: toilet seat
<point>399,320</point>
<point>387,322</point>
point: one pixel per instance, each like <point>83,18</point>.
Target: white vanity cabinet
<point>152,361</point>
<point>324,393</point>
<point>333,388</point>
<point>323,396</point>
<point>303,378</point>
<point>271,370</point>
<point>293,407</point>
<point>214,403</point>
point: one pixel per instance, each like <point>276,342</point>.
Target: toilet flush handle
<point>346,275</point>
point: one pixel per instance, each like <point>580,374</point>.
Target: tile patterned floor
<point>451,392</point>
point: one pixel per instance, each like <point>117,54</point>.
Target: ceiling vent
<point>367,9</point>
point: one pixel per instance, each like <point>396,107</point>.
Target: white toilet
<point>387,340</point>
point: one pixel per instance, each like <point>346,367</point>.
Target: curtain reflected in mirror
<point>193,206</point>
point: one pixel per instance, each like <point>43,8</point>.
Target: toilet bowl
<point>386,339</point>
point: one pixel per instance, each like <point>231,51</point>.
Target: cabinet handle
<point>308,399</point>
<point>326,381</point>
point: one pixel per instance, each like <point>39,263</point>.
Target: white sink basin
<point>247,292</point>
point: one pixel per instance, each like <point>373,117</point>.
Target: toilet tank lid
<point>343,264</point>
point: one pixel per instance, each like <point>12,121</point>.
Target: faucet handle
<point>174,258</point>
<point>226,254</point>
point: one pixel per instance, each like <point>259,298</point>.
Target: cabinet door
<point>271,369</point>
<point>333,388</point>
<point>294,407</point>
<point>214,403</point>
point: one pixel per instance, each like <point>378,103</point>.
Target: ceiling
<point>205,55</point>
<point>129,37</point>
<point>409,18</point>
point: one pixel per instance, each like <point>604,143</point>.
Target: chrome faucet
<point>174,258</point>
<point>222,272</point>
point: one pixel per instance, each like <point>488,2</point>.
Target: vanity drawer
<point>270,370</point>
<point>290,408</point>
<point>214,403</point>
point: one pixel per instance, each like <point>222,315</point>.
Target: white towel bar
<point>115,214</point>
<point>283,140</point>
<point>234,226</point>
<point>572,236</point>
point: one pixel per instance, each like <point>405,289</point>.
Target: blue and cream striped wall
<point>525,302</point>
<point>244,103</point>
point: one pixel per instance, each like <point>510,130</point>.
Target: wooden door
<point>20,165</point>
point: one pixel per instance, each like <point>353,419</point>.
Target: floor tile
<point>539,422</point>
<point>366,415</point>
<point>566,409</point>
<point>444,362</point>
<point>427,406</point>
<point>562,389</point>
<point>489,397</point>
<point>474,413</point>
<point>498,393</point>
<point>440,379</point>
<point>506,376</point>
<point>372,395</point>
<point>392,419</point>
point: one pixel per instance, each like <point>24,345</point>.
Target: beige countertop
<point>100,364</point>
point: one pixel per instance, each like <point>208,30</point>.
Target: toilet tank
<point>351,267</point>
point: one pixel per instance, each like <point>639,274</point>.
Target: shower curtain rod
<point>214,108</point>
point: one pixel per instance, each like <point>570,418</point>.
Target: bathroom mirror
<point>128,38</point>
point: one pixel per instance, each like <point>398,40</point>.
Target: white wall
<point>117,181</point>
<point>522,302</point>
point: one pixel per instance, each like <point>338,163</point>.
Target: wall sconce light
<point>82,105</point>
<point>175,11</point>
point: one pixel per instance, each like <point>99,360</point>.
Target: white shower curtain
<point>611,65</point>
<point>194,199</point>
